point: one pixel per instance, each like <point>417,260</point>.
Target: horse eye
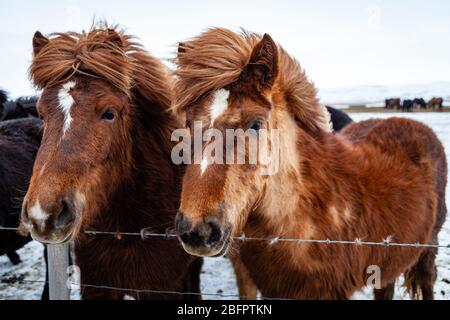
<point>256,125</point>
<point>108,115</point>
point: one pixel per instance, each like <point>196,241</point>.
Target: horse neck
<point>149,197</point>
<point>307,190</point>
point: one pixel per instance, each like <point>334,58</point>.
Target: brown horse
<point>357,184</point>
<point>393,103</point>
<point>435,103</point>
<point>104,163</point>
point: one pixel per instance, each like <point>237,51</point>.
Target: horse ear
<point>39,41</point>
<point>263,64</point>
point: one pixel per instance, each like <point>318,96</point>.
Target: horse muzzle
<point>53,223</point>
<point>208,238</point>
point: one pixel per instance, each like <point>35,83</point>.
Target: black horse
<point>21,108</point>
<point>407,105</point>
<point>19,142</point>
<point>420,103</point>
<point>339,119</point>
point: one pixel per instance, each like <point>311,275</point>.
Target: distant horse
<point>19,143</point>
<point>419,103</point>
<point>359,184</point>
<point>393,103</point>
<point>435,104</point>
<point>104,164</point>
<point>407,105</point>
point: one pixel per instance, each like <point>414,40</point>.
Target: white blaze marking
<point>219,105</point>
<point>37,214</point>
<point>204,165</point>
<point>65,103</point>
<point>217,108</point>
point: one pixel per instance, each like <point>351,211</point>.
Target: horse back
<point>409,142</point>
<point>398,135</point>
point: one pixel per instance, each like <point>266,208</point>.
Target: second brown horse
<point>358,184</point>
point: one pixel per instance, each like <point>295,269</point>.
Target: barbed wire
<point>9,229</point>
<point>147,233</point>
<point>387,242</point>
<point>142,291</point>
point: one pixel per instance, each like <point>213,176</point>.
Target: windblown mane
<point>105,53</point>
<point>216,59</point>
<point>111,55</point>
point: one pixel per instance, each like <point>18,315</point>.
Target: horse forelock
<point>210,62</point>
<point>217,58</point>
<point>121,61</point>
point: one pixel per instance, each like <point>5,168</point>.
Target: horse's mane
<point>109,54</point>
<point>216,59</point>
<point>105,53</point>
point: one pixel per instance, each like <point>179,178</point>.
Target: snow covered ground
<point>218,276</point>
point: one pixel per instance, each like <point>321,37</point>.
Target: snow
<point>32,268</point>
<point>218,276</point>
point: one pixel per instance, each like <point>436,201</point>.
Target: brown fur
<point>114,175</point>
<point>358,184</point>
<point>246,287</point>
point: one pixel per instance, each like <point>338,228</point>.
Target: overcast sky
<point>339,43</point>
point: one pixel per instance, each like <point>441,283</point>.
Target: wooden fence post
<point>58,261</point>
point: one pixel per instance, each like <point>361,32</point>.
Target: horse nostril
<point>215,233</point>
<point>182,224</point>
<point>65,216</point>
<point>194,238</point>
<point>203,234</point>
<point>185,237</point>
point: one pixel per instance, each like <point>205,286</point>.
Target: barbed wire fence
<point>58,261</point>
